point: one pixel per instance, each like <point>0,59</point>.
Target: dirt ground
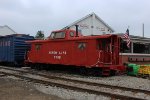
<point>11,89</point>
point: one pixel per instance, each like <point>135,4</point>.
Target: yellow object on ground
<point>144,69</point>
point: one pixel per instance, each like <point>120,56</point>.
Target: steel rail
<point>85,82</point>
<point>112,95</point>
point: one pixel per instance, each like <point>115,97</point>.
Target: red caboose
<point>67,47</point>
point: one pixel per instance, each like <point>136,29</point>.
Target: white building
<point>91,25</point>
<point>5,30</point>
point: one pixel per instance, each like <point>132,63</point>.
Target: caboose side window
<point>57,35</point>
<point>37,46</point>
<point>72,34</point>
<point>104,44</point>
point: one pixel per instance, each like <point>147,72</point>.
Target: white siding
<point>4,30</point>
<point>100,28</point>
<point>84,26</point>
<point>92,25</point>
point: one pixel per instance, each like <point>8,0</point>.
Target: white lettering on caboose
<point>53,52</point>
<point>57,54</point>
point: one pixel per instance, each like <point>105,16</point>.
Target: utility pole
<point>143,29</point>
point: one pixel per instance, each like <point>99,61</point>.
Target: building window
<point>141,48</point>
<point>104,32</point>
<point>124,48</point>
<point>137,48</point>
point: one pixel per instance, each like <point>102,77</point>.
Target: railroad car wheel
<point>83,71</point>
<point>46,67</point>
<point>37,66</point>
<point>112,73</point>
<point>97,72</point>
<point>40,67</point>
<point>32,66</point>
<point>91,71</point>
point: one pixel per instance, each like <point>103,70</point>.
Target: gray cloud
<point>29,16</point>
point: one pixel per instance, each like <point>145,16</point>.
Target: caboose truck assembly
<point>99,54</point>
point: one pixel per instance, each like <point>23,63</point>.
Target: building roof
<point>9,31</point>
<point>135,38</point>
<point>96,16</point>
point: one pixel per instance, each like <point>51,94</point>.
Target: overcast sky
<point>29,16</point>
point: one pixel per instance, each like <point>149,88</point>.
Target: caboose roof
<point>77,38</point>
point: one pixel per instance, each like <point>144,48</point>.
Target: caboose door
<point>38,52</point>
<point>106,50</point>
<point>80,50</point>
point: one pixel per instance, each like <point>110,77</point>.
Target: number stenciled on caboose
<point>57,54</point>
<point>57,57</point>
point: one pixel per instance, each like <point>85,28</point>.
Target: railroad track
<point>77,85</point>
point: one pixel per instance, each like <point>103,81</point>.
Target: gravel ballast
<point>123,81</point>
